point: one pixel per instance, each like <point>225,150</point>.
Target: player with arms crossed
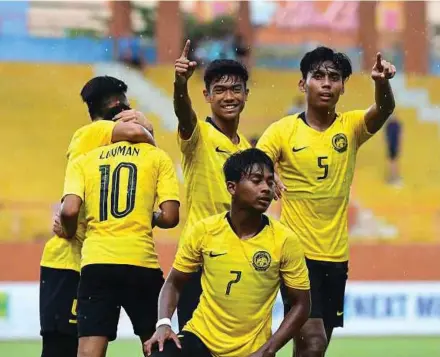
<point>60,263</point>
<point>316,154</point>
<point>244,255</point>
<point>205,146</point>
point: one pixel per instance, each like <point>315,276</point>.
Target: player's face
<point>227,97</point>
<point>323,86</point>
<point>255,191</point>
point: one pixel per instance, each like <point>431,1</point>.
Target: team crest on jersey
<point>340,142</point>
<point>261,260</point>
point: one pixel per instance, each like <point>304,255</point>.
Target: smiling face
<point>323,86</point>
<point>227,97</point>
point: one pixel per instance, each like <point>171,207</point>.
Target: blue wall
<point>65,50</point>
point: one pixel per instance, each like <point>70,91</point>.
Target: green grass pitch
<point>340,347</point>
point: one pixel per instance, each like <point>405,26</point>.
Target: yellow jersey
<point>317,169</point>
<point>119,185</point>
<point>203,157</point>
<point>240,281</point>
<point>60,253</point>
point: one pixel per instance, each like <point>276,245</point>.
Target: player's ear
<point>302,85</point>
<point>246,93</point>
<point>207,96</point>
<point>231,186</point>
<point>343,88</point>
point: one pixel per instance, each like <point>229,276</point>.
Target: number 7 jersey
<point>317,169</point>
<point>240,281</point>
<point>119,185</point>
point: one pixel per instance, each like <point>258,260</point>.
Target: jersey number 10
<point>114,200</point>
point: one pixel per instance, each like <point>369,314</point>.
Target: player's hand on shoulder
<point>162,334</point>
<point>279,187</point>
<point>136,116</point>
<point>184,68</point>
<point>57,228</point>
<point>382,70</point>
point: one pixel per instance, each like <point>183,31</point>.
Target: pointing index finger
<point>186,49</point>
<point>379,60</point>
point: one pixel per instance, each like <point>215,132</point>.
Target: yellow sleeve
<point>188,145</point>
<point>167,186</point>
<point>294,270</point>
<point>90,137</point>
<point>270,142</point>
<point>74,180</point>
<point>189,255</point>
<point>356,120</point>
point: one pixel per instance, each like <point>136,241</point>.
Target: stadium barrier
<point>372,308</point>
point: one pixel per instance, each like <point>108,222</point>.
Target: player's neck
<point>320,119</point>
<point>245,223</point>
<point>227,127</point>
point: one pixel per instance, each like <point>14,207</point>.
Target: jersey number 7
<point>234,281</point>
<point>114,200</point>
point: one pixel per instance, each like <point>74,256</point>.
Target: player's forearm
<point>168,298</point>
<point>384,97</point>
<point>165,220</point>
<point>183,108</point>
<point>289,327</point>
<point>384,105</point>
<point>69,224</point>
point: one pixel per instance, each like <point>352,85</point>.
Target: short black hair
<point>98,90</point>
<point>220,68</point>
<point>314,59</point>
<point>240,164</point>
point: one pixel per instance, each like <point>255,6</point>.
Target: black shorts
<point>189,299</point>
<point>58,291</point>
<point>56,344</point>
<point>192,346</point>
<point>104,288</point>
<point>327,289</point>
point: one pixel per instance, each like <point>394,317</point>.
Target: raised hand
<point>184,67</point>
<point>382,70</point>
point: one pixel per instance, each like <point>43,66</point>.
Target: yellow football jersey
<point>119,185</point>
<point>60,253</point>
<point>317,169</point>
<point>240,281</point>
<point>203,157</point>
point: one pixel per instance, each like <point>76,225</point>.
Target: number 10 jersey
<point>119,185</point>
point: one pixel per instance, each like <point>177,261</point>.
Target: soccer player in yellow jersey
<point>60,262</point>
<point>205,146</point>
<point>119,186</point>
<point>244,255</point>
<point>316,154</point>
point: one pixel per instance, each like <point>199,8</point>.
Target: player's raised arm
<point>379,112</point>
<point>184,69</point>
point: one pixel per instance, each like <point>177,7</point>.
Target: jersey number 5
<point>237,274</point>
<point>323,165</point>
<point>114,201</point>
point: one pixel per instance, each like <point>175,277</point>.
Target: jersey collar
<point>210,121</point>
<point>264,222</point>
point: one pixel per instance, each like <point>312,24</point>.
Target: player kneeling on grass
<point>243,254</point>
